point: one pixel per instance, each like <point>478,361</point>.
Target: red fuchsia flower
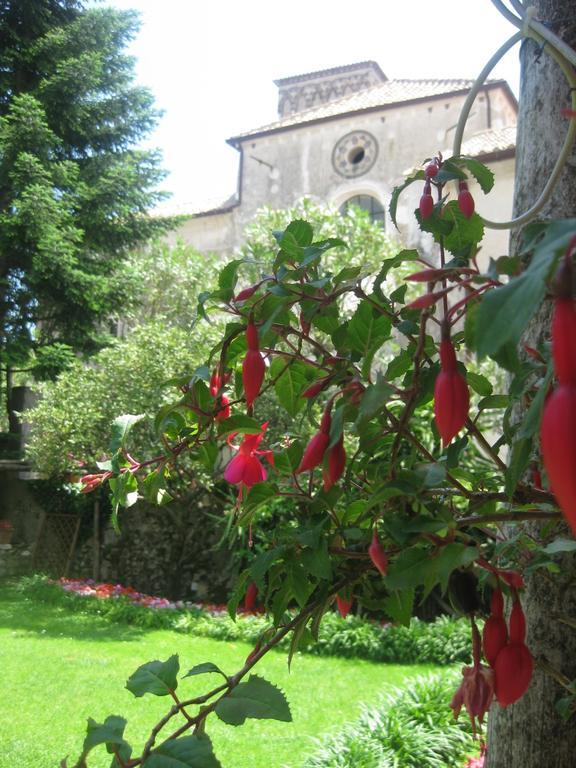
<point>451,396</point>
<point>476,691</point>
<point>90,482</point>
<point>223,411</point>
<point>426,202</point>
<point>344,605</point>
<point>334,467</point>
<point>558,441</point>
<point>250,597</point>
<point>317,447</point>
<point>253,367</point>
<point>558,428</point>
<point>246,469</point>
<point>377,554</point>
<point>495,633</point>
<point>317,387</point>
<point>465,199</point>
<point>514,664</point>
<point>247,292</point>
<point>223,404</point>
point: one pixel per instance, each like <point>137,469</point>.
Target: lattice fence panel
<point>55,544</point>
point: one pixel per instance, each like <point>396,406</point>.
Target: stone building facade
<point>349,135</point>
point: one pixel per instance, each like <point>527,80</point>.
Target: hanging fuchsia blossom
<point>451,396</point>
<point>465,199</point>
<point>246,469</point>
<point>514,664</point>
<point>558,428</point>
<point>476,691</point>
<point>495,633</point>
<point>335,465</point>
<point>318,445</point>
<point>253,367</point>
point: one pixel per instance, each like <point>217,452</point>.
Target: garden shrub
<point>411,727</point>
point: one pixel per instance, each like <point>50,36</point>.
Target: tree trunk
<point>531,733</point>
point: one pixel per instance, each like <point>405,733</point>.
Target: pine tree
<point>74,190</point>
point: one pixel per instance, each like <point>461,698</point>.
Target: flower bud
<point>344,605</point>
<point>253,367</point>
<point>426,203</point>
<point>451,396</point>
<point>558,441</point>
<point>250,597</point>
<point>465,200</point>
<point>512,673</point>
<point>336,464</point>
<point>223,409</point>
<point>377,554</point>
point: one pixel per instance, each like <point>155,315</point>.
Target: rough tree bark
<point>530,733</point>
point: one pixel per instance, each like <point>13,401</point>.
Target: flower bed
<point>446,641</point>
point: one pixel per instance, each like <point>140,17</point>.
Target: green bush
<point>411,727</point>
<point>445,641</point>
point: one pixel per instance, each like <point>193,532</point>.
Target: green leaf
<point>121,427</point>
<point>374,398</point>
<point>229,275</point>
<point>519,458</point>
<point>291,380</point>
<point>124,489</point>
<point>481,173</point>
<point>533,416</point>
<point>560,545</point>
<point>465,233</point>
<point>480,384</point>
<point>399,606</point>
<point>156,677</point>
<point>400,365</point>
<point>263,562</point>
<point>397,191</point>
<point>367,330</point>
<point>245,425</point>
<point>410,569</point>
<point>154,487</point>
<point>317,561</point>
<point>187,752</point>
<point>110,732</point>
<point>493,402</point>
<point>449,558</point>
<point>505,312</point>
<point>259,495</point>
<point>256,698</point>
<point>206,667</point>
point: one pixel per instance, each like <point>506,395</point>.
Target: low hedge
<point>445,641</point>
<point>411,727</point>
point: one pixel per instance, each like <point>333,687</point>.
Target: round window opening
<point>371,205</point>
<point>354,154</point>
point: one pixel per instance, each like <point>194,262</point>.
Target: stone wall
<point>169,551</point>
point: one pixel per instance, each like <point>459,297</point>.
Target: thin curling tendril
<point>565,57</point>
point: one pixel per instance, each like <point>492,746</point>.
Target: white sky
<point>211,63</point>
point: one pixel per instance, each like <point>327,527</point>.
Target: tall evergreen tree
<point>74,192</point>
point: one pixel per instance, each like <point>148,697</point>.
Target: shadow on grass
<point>29,617</point>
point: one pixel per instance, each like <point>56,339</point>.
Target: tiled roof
<point>202,207</point>
<point>492,141</point>
<point>333,71</point>
<point>390,92</point>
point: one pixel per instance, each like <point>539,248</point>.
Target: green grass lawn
<point>59,668</point>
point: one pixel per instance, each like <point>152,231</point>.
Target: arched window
<point>367,203</point>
